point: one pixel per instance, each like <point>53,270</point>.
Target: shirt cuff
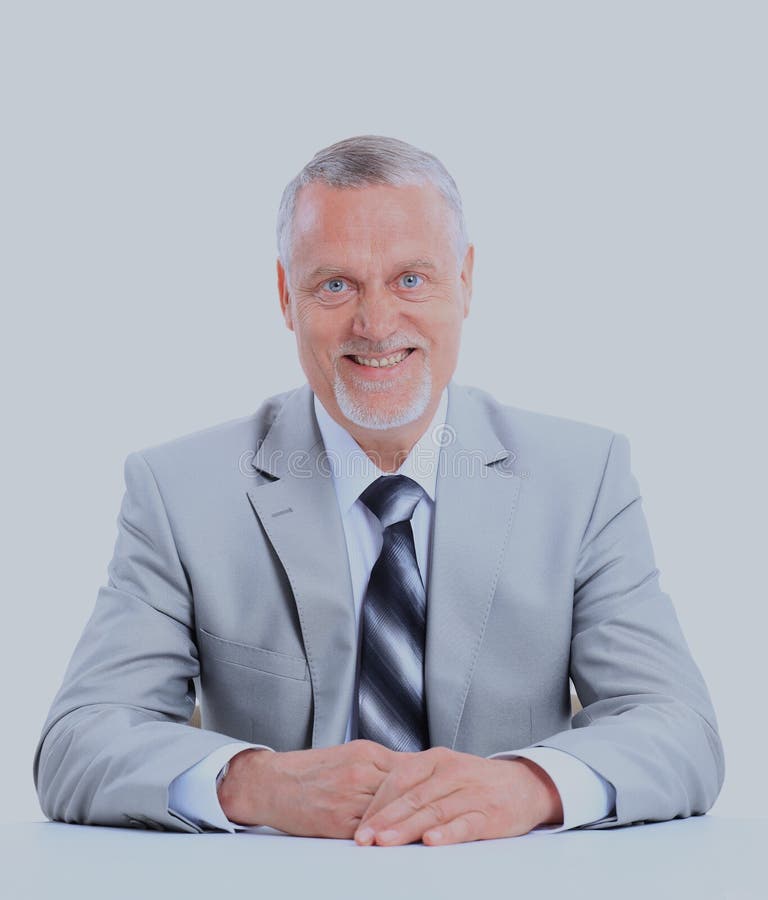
<point>193,793</point>
<point>586,796</point>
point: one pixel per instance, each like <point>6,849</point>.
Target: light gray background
<point>612,158</point>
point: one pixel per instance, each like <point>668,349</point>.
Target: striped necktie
<point>391,707</point>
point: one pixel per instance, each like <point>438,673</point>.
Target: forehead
<point>404,220</point>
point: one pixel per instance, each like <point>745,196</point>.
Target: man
<point>380,582</point>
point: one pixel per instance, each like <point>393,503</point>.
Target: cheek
<point>443,329</point>
<point>319,331</point>
<point>304,317</point>
<point>444,338</point>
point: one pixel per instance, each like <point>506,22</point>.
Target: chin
<point>375,410</point>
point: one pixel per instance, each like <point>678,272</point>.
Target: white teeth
<point>386,361</point>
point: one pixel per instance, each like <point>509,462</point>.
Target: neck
<point>388,447</point>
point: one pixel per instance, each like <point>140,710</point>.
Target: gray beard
<point>377,419</point>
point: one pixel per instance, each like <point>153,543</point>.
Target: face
<point>376,297</point>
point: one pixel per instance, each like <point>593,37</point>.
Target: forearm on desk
<point>585,795</point>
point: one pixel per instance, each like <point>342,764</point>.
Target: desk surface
<point>700,857</point>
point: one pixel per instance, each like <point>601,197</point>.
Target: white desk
<point>699,858</point>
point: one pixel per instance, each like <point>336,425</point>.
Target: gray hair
<point>364,160</point>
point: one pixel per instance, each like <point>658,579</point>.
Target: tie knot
<point>392,498</point>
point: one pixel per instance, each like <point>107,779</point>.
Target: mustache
<point>387,346</point>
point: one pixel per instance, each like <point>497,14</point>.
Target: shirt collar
<point>353,471</point>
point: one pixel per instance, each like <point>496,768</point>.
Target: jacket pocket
<point>238,654</point>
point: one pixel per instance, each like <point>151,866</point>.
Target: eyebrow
<point>324,271</point>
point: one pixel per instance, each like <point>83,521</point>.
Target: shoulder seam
<point>599,488</point>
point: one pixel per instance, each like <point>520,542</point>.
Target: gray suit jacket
<point>230,579</point>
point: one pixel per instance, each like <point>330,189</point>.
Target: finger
<point>389,791</point>
<point>432,815</point>
<point>408,774</point>
<point>469,826</point>
<point>406,803</point>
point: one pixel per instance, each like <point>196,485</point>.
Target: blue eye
<point>335,285</point>
<point>409,280</point>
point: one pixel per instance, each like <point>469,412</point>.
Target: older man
<point>380,582</point>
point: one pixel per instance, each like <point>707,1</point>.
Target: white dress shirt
<point>586,796</point>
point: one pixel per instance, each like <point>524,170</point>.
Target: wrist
<point>240,787</point>
<point>549,805</point>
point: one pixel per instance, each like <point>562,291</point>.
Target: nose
<point>376,315</point>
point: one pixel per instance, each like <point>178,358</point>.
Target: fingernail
<point>365,835</point>
<point>387,836</point>
<point>434,835</point>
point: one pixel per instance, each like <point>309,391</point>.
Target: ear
<point>466,277</point>
<point>285,297</point>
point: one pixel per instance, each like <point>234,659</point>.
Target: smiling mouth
<point>381,362</point>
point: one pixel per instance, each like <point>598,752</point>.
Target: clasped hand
<point>365,791</point>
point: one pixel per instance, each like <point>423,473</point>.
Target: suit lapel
<point>300,515</point>
<point>475,503</point>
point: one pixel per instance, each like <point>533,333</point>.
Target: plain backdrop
<point>612,159</point>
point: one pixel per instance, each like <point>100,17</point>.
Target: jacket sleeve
<point>647,723</point>
<point>116,734</point>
